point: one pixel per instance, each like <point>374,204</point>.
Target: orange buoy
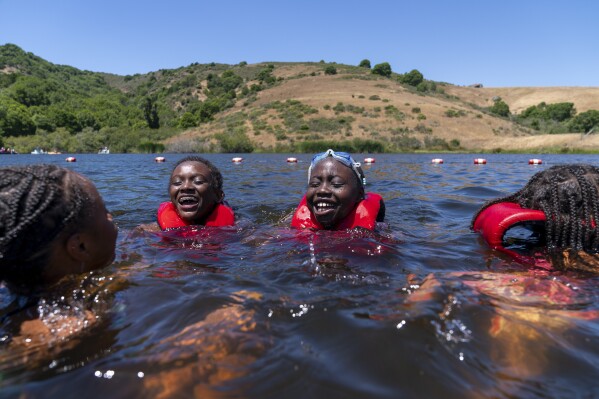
<point>237,159</point>
<point>437,160</point>
<point>291,159</point>
<point>535,161</point>
<point>159,159</point>
<point>369,160</point>
<point>71,159</point>
<point>480,161</point>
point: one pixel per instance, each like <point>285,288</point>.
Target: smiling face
<point>333,192</point>
<point>192,192</point>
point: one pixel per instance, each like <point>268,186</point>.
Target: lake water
<point>263,311</point>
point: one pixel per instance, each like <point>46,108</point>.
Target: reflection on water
<point>422,308</point>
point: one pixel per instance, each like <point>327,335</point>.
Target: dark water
<point>422,309</point>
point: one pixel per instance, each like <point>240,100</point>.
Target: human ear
<point>77,247</point>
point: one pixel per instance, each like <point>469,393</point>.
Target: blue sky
<point>497,43</point>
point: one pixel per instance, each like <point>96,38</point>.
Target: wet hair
<point>216,176</point>
<point>37,204</point>
<point>569,197</point>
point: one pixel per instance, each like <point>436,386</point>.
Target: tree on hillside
<point>585,121</point>
<point>412,78</point>
<point>558,112</point>
<point>30,91</point>
<point>383,69</point>
<point>365,63</point>
<point>151,113</point>
<point>500,108</point>
<point>15,119</point>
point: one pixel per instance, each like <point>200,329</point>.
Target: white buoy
<point>237,160</point>
<point>71,159</point>
<point>535,161</point>
<point>369,160</point>
<point>291,160</point>
<point>437,160</point>
<point>480,161</point>
<point>159,159</point>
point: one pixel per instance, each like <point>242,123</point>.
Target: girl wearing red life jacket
<point>335,198</point>
<point>564,201</point>
<point>197,197</point>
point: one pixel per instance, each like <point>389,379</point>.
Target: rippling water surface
<point>422,308</point>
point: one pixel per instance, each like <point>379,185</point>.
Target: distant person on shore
<point>561,205</point>
<point>336,198</point>
<point>196,196</point>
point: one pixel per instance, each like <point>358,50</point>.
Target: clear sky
<point>496,43</point>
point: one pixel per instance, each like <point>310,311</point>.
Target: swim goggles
<point>342,157</point>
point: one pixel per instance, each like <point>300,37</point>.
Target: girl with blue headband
<point>336,198</point>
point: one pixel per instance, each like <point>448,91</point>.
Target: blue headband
<point>342,157</point>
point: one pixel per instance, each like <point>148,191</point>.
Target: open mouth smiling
<point>187,202</point>
<point>322,207</point>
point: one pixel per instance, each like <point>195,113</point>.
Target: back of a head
<point>37,203</point>
<point>569,197</point>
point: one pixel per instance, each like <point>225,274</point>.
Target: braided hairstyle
<point>217,177</point>
<point>37,204</point>
<point>569,197</point>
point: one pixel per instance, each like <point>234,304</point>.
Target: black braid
<point>37,203</point>
<point>569,197</point>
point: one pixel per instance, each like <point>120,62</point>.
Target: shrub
<point>585,121</point>
<point>412,78</point>
<point>330,70</point>
<point>365,63</point>
<point>500,108</point>
<point>558,112</point>
<point>383,69</point>
<point>234,142</point>
<point>416,110</point>
<point>452,113</point>
<point>149,147</point>
<point>391,110</point>
<point>374,98</point>
<point>339,107</point>
<point>188,120</point>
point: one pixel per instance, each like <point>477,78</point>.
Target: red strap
<point>364,215</point>
<point>168,218</point>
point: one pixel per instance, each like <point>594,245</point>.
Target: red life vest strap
<point>364,215</point>
<point>168,218</point>
<point>493,222</point>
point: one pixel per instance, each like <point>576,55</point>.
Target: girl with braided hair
<point>54,227</point>
<point>564,201</point>
<point>53,222</point>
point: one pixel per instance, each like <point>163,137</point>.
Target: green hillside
<point>266,107</point>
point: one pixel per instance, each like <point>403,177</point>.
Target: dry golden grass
<point>474,129</point>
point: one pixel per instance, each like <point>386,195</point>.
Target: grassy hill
<point>273,107</point>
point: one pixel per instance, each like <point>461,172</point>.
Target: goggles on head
<point>342,157</point>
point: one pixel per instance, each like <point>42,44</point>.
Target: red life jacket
<point>364,215</point>
<point>168,217</point>
<point>493,222</point>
